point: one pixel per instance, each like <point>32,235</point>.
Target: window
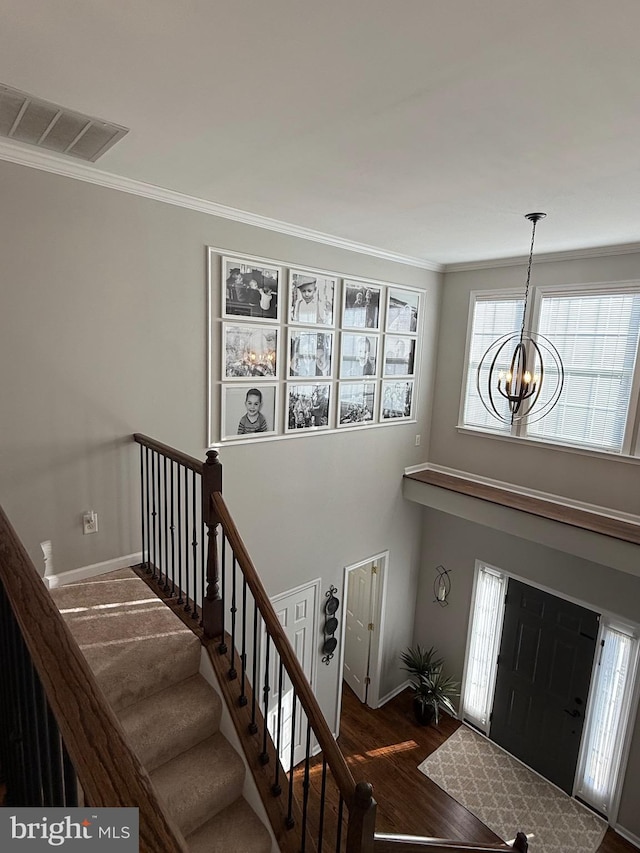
<point>596,333</point>
<point>484,640</point>
<point>607,719</point>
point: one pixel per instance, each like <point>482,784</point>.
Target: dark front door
<point>544,670</point>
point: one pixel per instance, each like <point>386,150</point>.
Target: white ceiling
<point>423,127</point>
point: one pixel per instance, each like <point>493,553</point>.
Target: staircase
<point>147,663</point>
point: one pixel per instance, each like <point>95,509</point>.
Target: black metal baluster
<point>276,789</point>
<point>173,531</point>
<point>160,502</point>
<point>55,754</point>
<point>167,528</point>
<point>42,736</point>
<point>339,829</point>
<point>70,779</point>
<point>290,822</point>
<point>222,648</point>
<point>323,792</point>
<point>153,512</point>
<point>194,545</point>
<point>253,726</point>
<point>179,546</point>
<point>187,606</point>
<point>305,790</point>
<point>242,700</point>
<point>204,532</point>
<point>233,673</point>
<point>148,509</point>
<point>142,519</point>
<point>264,755</point>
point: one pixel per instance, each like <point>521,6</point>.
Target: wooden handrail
<point>333,755</point>
<point>109,773</point>
<point>170,452</point>
<point>386,842</point>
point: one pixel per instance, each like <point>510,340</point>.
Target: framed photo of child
<point>312,298</point>
<point>397,401</point>
<point>248,412</point>
<point>250,289</point>
<point>310,353</point>
<point>402,310</point>
<point>357,403</point>
<point>308,407</point>
<point>399,356</point>
<point>361,305</point>
<point>358,355</point>
<point>249,352</point>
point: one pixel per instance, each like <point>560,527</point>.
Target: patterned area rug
<point>508,797</point>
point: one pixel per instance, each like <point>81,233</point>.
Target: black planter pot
<point>424,714</point>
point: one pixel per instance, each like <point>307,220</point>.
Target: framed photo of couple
<point>250,289</point>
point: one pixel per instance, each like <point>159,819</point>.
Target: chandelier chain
<point>526,290</point>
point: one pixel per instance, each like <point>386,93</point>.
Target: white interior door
<point>358,618</point>
<point>296,611</point>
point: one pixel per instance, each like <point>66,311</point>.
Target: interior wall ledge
<point>593,533</point>
<point>512,488</point>
<point>57,164</point>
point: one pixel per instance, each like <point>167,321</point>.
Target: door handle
<point>573,713</point>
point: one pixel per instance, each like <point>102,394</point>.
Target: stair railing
<point>193,553</point>
<point>60,743</point>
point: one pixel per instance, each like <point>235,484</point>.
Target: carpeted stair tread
<point>236,829</point>
<point>132,669</point>
<point>200,782</point>
<point>112,594</point>
<point>172,721</point>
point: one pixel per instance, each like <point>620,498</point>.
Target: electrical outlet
<point>418,440</point>
<point>90,522</point>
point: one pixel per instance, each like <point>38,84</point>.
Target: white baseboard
<point>629,836</point>
<point>393,694</point>
<point>52,581</point>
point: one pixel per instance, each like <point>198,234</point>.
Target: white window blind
<point>486,628</point>
<point>607,720</point>
<point>492,318</point>
<point>597,338</point>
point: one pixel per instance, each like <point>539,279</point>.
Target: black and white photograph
<point>250,289</point>
<point>361,305</point>
<point>249,352</point>
<point>310,353</point>
<point>308,406</point>
<point>399,356</point>
<point>248,411</point>
<point>402,310</point>
<point>397,398</point>
<point>357,403</point>
<point>358,355</point>
<point>311,298</point>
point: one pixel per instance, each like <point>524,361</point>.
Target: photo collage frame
<point>306,351</point>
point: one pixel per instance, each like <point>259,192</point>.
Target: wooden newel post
<point>362,820</point>
<point>212,604</point>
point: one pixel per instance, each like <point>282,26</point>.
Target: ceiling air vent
<point>37,122</point>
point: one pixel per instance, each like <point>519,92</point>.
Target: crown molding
<point>546,257</point>
<point>58,165</point>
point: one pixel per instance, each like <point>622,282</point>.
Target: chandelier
<point>516,369</point>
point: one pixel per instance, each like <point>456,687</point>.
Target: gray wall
<point>103,332</point>
<point>610,482</point>
<point>457,544</point>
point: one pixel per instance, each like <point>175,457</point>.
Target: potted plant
<point>432,690</point>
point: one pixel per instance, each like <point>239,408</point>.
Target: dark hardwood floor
<point>384,747</point>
